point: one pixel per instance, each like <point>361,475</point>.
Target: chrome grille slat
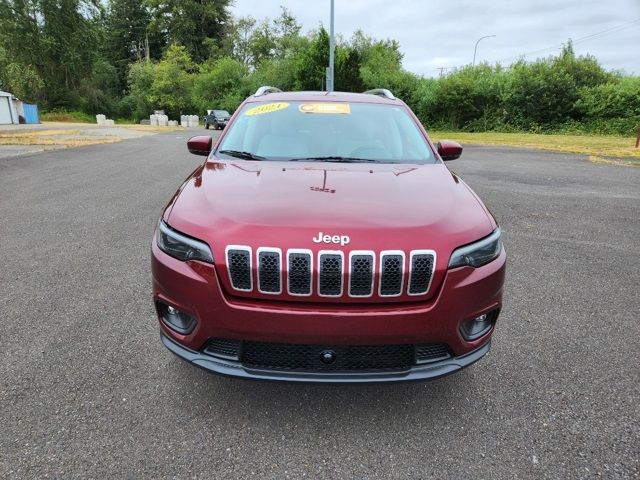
<point>391,273</point>
<point>299,268</point>
<point>330,266</point>
<point>422,263</point>
<point>269,268</point>
<point>361,266</point>
<point>239,267</point>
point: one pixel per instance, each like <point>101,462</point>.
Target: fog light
<point>176,320</point>
<point>478,326</point>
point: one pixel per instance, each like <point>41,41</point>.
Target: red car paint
<point>286,205</point>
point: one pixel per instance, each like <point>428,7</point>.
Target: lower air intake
<point>432,352</point>
<point>221,348</point>
<point>278,356</point>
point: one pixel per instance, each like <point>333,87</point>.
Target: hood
<point>285,205</point>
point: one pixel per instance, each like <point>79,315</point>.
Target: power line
<point>607,31</point>
<point>585,38</point>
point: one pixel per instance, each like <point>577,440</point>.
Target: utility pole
<point>332,46</point>
<point>475,50</point>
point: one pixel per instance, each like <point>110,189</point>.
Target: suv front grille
<point>361,277</point>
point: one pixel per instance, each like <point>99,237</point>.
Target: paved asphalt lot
<point>88,391</point>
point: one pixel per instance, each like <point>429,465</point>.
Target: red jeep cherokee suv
<point>324,240</point>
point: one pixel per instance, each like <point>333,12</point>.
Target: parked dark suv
<point>217,119</point>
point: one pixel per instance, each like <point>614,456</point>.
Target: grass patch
<point>630,162</point>
<point>65,138</point>
<point>150,128</point>
<point>64,116</point>
<point>36,133</point>
<point>595,145</point>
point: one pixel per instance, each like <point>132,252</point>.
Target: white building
<point>8,111</point>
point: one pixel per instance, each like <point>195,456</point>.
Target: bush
<point>221,84</point>
<point>61,115</point>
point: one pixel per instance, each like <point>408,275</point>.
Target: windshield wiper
<point>333,158</point>
<point>243,155</point>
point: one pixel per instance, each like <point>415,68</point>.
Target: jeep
<point>325,240</point>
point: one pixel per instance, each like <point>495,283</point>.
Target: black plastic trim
<point>236,369</point>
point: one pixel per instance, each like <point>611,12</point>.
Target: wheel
<point>206,125</point>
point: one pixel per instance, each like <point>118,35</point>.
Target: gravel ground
<point>88,391</point>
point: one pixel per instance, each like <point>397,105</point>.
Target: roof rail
<point>266,90</point>
<point>381,92</point>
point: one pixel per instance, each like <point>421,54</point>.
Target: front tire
<point>206,125</point>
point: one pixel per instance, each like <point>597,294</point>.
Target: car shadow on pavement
<point>233,399</point>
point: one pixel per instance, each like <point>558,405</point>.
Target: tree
<point>237,43</point>
<point>221,84</point>
<point>312,61</point>
<point>585,70</point>
<point>540,94</point>
<point>54,40</point>
<point>172,82</point>
<point>191,23</point>
<point>347,69</point>
<point>137,104</point>
<point>127,36</point>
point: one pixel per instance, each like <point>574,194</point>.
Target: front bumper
<point>194,288</point>
<point>236,369</point>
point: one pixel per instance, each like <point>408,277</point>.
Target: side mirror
<point>200,145</point>
<point>449,150</point>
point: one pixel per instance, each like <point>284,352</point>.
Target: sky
<point>443,33</point>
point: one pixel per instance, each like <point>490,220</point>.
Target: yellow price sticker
<point>336,108</point>
<point>266,108</point>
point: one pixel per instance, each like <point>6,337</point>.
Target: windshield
<point>221,113</point>
<point>325,131</point>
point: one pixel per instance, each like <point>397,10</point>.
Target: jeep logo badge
<point>338,239</point>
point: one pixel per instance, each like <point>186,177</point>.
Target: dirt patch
<point>57,135</point>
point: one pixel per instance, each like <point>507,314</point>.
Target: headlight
<point>180,246</point>
<point>478,253</point>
